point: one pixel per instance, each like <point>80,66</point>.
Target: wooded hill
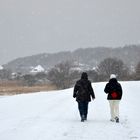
<point>88,57</point>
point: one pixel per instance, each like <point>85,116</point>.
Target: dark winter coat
<point>113,89</point>
<point>83,90</point>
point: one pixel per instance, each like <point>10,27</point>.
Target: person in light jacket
<point>83,92</point>
<point>114,90</point>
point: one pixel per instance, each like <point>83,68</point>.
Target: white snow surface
<point>54,116</point>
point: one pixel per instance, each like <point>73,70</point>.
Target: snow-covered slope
<point>54,116</point>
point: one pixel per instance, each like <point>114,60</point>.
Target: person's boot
<point>112,120</point>
<point>82,118</point>
<point>85,117</point>
<point>117,119</point>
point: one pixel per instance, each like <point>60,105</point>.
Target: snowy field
<point>54,116</point>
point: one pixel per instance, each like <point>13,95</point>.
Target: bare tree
<point>5,74</point>
<point>29,80</point>
<point>112,65</point>
<point>93,75</point>
<point>60,75</point>
<point>137,74</point>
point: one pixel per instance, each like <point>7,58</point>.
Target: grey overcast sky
<point>37,26</point>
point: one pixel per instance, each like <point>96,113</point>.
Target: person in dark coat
<point>83,92</point>
<point>114,90</point>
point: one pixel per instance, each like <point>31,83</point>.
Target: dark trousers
<point>83,108</point>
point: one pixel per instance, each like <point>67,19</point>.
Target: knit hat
<point>112,76</point>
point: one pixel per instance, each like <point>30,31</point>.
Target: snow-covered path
<point>54,116</point>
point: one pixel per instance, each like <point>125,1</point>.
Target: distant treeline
<point>65,74</point>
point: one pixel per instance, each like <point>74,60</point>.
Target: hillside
<point>90,57</point>
<point>54,116</point>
